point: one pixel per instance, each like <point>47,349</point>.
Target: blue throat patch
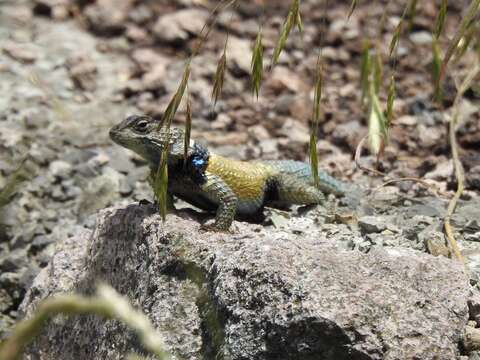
<point>197,163</point>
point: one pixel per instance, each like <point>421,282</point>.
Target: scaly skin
<point>211,182</point>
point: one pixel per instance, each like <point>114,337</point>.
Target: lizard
<point>231,188</point>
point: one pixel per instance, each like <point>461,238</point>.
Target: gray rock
<point>41,241</point>
<point>13,260</point>
<point>177,27</point>
<point>60,169</point>
<point>421,37</point>
<point>240,54</point>
<point>57,9</point>
<point>107,17</point>
<point>125,186</point>
<point>98,193</point>
<point>83,71</point>
<point>6,322</point>
<point>266,294</point>
<point>6,303</point>
<point>372,224</point>
<point>25,53</point>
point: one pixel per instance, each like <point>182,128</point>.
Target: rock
<point>154,79</point>
<point>177,27</point>
<point>474,308</point>
<point>421,37</point>
<point>283,78</point>
<point>24,53</point>
<point>372,224</point>
<point>258,133</point>
<point>140,14</point>
<point>98,193</point>
<point>348,133</point>
<point>343,29</point>
<point>296,131</point>
<point>442,171</point>
<point>107,17</point>
<point>60,169</point>
<point>147,59</point>
<point>40,242</point>
<point>11,136</point>
<point>268,294</point>
<point>473,178</point>
<point>6,301</point>
<point>136,34</point>
<point>12,261</point>
<point>82,70</point>
<point>57,9</point>
<point>222,122</point>
<point>407,120</point>
<point>6,322</point>
<point>239,55</point>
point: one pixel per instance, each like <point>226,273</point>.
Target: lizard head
<point>143,135</point>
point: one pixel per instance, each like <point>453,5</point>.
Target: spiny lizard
<point>211,182</point>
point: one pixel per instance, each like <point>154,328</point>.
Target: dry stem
<point>108,304</point>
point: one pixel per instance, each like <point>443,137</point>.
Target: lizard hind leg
<point>293,190</point>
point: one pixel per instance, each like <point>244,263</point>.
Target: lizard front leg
<point>223,195</point>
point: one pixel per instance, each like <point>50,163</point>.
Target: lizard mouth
<point>119,137</point>
<point>115,134</point>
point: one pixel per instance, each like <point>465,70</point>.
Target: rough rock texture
<point>71,69</point>
<point>254,294</point>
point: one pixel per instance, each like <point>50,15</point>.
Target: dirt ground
<point>70,70</point>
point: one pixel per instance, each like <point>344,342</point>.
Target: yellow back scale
<point>246,179</point>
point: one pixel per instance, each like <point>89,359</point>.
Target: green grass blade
<point>436,65</point>
<point>411,12</point>
<point>390,100</point>
<point>316,118</point>
<point>220,75</point>
<point>318,91</point>
<point>365,70</point>
<point>395,37</point>
<point>174,103</point>
<point>299,22</point>
<point>161,184</point>
<point>472,11</point>
<point>465,42</point>
<point>257,64</point>
<point>291,20</point>
<point>353,5</point>
<point>377,71</point>
<point>312,147</point>
<point>188,130</point>
<point>377,129</point>
<point>409,8</point>
<point>440,20</point>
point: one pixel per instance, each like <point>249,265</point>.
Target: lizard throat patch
<point>197,163</point>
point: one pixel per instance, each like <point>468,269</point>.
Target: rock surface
<point>255,294</point>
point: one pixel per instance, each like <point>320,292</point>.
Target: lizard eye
<point>141,126</point>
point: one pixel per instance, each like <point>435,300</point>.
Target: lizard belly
<point>203,201</point>
<point>184,188</point>
<point>190,192</point>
